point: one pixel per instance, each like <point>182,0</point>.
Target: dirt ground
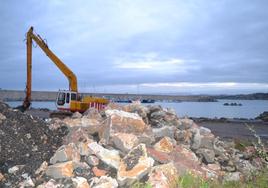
<point>237,130</point>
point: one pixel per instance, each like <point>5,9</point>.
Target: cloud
<point>137,42</point>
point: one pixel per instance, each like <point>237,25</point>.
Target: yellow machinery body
<point>67,100</point>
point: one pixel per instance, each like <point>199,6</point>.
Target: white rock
<point>123,114</point>
<point>2,117</point>
<point>164,131</point>
<point>27,183</point>
<point>204,130</point>
<point>13,169</point>
<point>80,182</point>
<point>104,182</point>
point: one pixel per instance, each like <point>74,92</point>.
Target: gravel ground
<point>25,140</point>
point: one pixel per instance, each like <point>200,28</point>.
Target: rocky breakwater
<point>125,144</point>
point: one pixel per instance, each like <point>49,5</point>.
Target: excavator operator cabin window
<point>61,99</point>
<point>68,98</point>
<point>73,97</point>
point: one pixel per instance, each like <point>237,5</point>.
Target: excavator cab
<point>64,99</point>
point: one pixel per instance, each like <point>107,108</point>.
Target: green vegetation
<point>189,181</point>
<point>259,180</point>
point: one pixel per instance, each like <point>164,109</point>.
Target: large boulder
<point>159,117</point>
<point>122,121</point>
<point>110,157</point>
<point>130,123</point>
<point>245,167</point>
<point>135,165</point>
<point>202,140</point>
<point>184,160</point>
<point>139,109</point>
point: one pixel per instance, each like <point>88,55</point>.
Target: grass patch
<point>259,180</point>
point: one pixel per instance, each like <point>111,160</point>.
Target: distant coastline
<point>17,95</point>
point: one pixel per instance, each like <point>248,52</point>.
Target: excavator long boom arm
<point>64,69</point>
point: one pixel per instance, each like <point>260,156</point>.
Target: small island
<point>232,104</point>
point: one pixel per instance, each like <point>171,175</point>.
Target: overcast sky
<point>139,46</point>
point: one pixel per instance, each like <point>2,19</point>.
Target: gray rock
<point>158,115</point>
<point>207,141</point>
<point>154,108</point>
<point>217,146</point>
<point>60,170</point>
<point>207,155</point>
<point>185,123</point>
<point>92,160</point>
<point>164,131</point>
<point>196,139</point>
<point>66,153</point>
<point>183,136</point>
<point>234,176</point>
<point>245,167</point>
<point>229,168</point>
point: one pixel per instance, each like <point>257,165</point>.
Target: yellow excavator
<point>67,100</point>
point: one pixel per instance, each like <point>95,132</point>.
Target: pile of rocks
<point>124,144</point>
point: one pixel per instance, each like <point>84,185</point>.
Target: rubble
<point>115,148</point>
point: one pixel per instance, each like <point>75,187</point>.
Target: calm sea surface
<point>249,108</point>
